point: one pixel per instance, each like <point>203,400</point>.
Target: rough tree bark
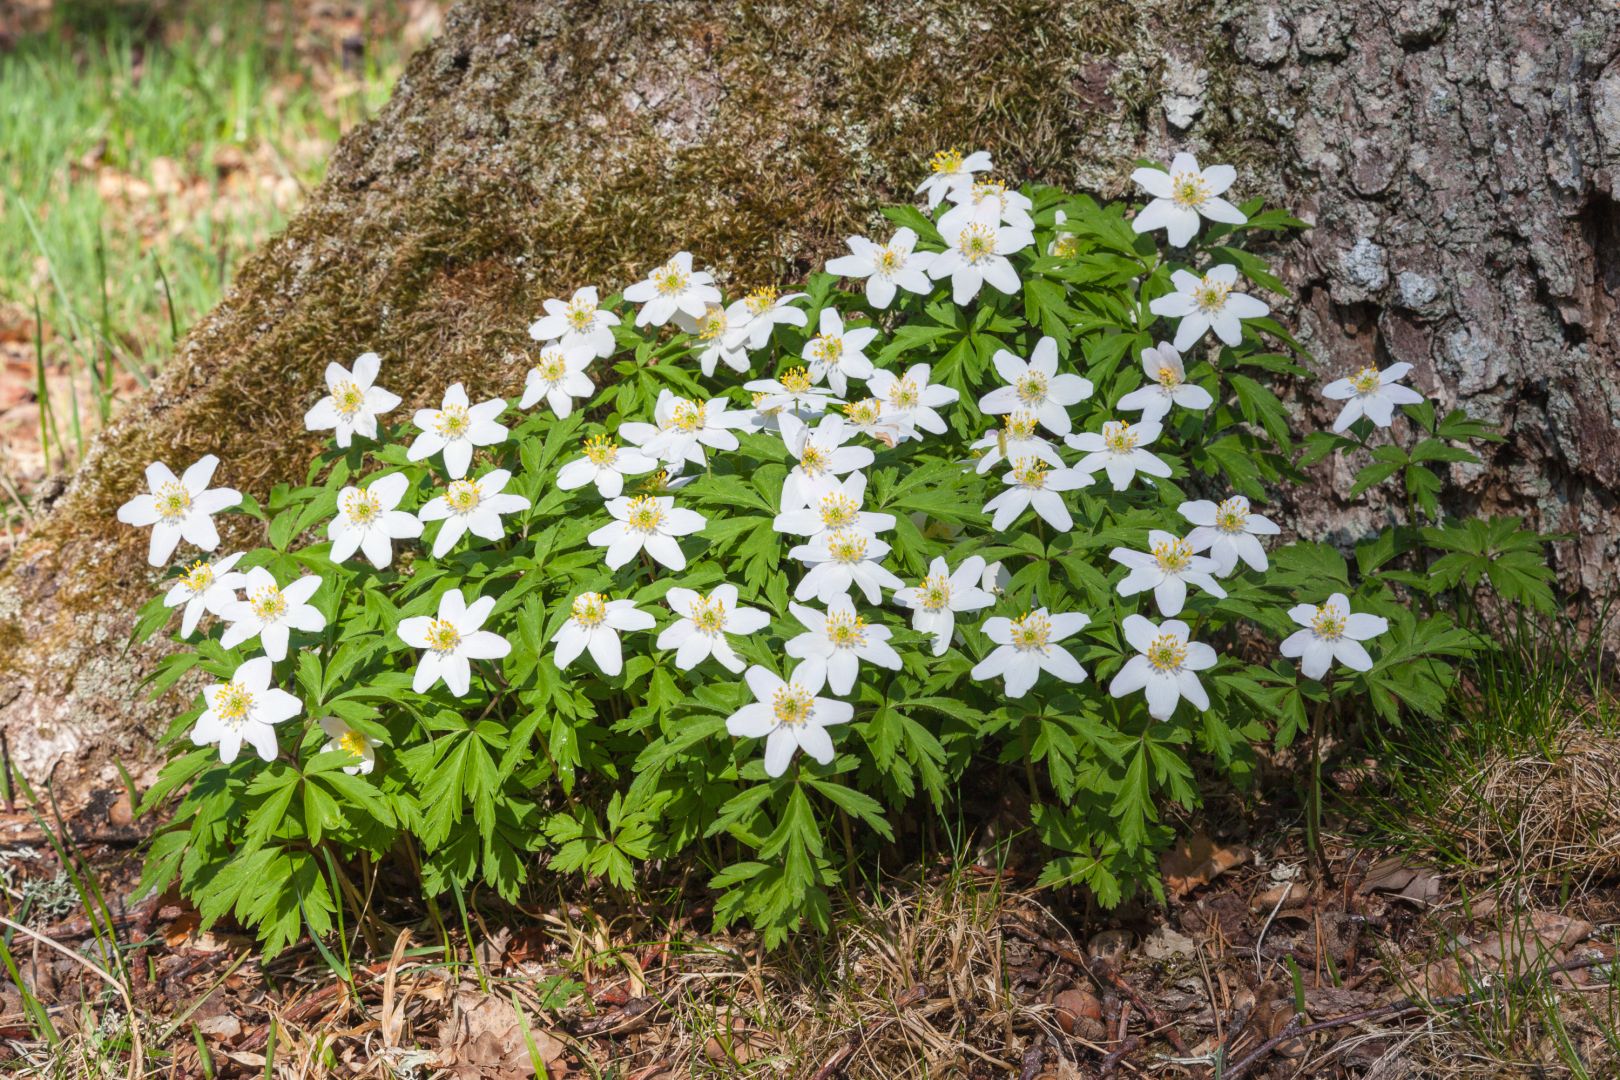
<point>1460,160</point>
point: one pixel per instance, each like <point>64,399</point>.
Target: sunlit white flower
<point>682,428</point>
<point>789,716</point>
<point>1371,393</point>
<point>605,464</point>
<point>1182,195</point>
<point>650,522</point>
<point>1165,665</point>
<point>1167,385</point>
<point>205,586</point>
<point>976,252</point>
<point>367,521</point>
<point>949,171</point>
<point>358,744</point>
<point>935,600</point>
<point>988,200</point>
<point>1015,439</point>
<point>1167,568</point>
<point>451,641</point>
<point>704,622</point>
<point>578,323</point>
<point>177,509</point>
<point>472,506</point>
<point>1031,483</point>
<point>713,339</point>
<point>822,458</point>
<point>870,418</point>
<point>751,320</point>
<point>1205,303</point>
<point>886,266</point>
<point>1229,531</point>
<point>559,377</point>
<point>911,401</point>
<point>594,623</point>
<point>244,710</point>
<point>839,560</point>
<point>670,288</point>
<point>837,640</point>
<point>838,507</point>
<point>1118,451</point>
<point>352,403</point>
<point>1332,633</point>
<point>835,353</point>
<point>1027,646</point>
<point>456,428</point>
<point>794,392</point>
<point>271,613</point>
<point>1036,387</point>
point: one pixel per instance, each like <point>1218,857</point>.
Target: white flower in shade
<point>975,253</point>
<point>1015,439</point>
<point>650,522</point>
<point>869,417</point>
<point>789,716</point>
<point>794,392</point>
<point>1065,245</point>
<point>988,200</point>
<point>1167,568</point>
<point>352,403</point>
<point>605,464</point>
<point>177,509</point>
<point>1182,195</point>
<point>362,747</point>
<point>1165,665</point>
<point>578,323</point>
<point>949,171</point>
<point>1332,633</point>
<point>1033,484</point>
<point>1027,646</point>
<point>1167,385</point>
<point>751,320</point>
<point>822,458</point>
<point>834,509</point>
<point>594,623</point>
<point>839,560</point>
<point>711,332</point>
<point>1229,532</point>
<point>271,613</point>
<point>682,429</point>
<point>836,641</point>
<point>1207,303</point>
<point>1371,393</point>
<point>911,401</point>
<point>935,600</point>
<point>1036,387</point>
<point>996,579</point>
<point>367,521</point>
<point>673,287</point>
<point>244,710</point>
<point>704,622</point>
<point>836,354</point>
<point>451,641</point>
<point>456,428</point>
<point>559,377</point>
<point>885,267</point>
<point>1117,450</point>
<point>205,586</point>
<point>472,506</point>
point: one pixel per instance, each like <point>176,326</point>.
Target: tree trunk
<point>1461,163</point>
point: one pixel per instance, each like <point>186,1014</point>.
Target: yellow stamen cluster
<point>552,366</point>
<point>888,261</point>
<point>670,279</point>
<point>442,637</point>
<point>463,496</point>
<point>761,299</point>
<point>1066,246</point>
<point>709,615</point>
<point>198,577</point>
<point>601,450</point>
<point>589,609</point>
<point>1189,190</point>
<point>1031,630</point>
<point>361,507</point>
<point>989,188</point>
<point>1328,622</point>
<point>946,161</point>
<point>353,742</point>
<point>1210,296</point>
<point>655,482</point>
<point>688,416</point>
<point>1232,515</point>
<point>846,630</point>
<point>1030,473</point>
<point>934,592</point>
<point>792,705</point>
<point>1118,437</point>
<point>1169,377</point>
<point>827,349</point>
<point>453,421</point>
<point>847,547</point>
<point>644,514</point>
<point>976,242</point>
<point>866,412</point>
<point>1167,653</point>
<point>233,704</point>
<point>1173,556</point>
<point>796,380</point>
<point>813,460</point>
<point>581,315</point>
<point>348,398</point>
<point>712,324</point>
<point>1032,387</point>
<point>903,394</point>
<point>1021,425</point>
<point>1366,380</point>
<point>268,603</point>
<point>173,501</point>
<point>838,511</point>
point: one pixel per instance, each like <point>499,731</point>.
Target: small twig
<point>1259,962</point>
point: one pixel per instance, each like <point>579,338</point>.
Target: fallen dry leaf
<point>1196,861</point>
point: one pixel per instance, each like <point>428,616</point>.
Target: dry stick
<point>136,1057</point>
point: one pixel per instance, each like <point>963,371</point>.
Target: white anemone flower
<point>646,522</point>
<point>949,171</point>
<point>822,458</point>
<point>704,622</point>
<point>1015,439</point>
<point>1182,195</point>
<point>869,417</point>
<point>1027,646</point>
<point>1166,666</point>
<point>833,510</point>
<point>1332,633</point>
<point>1373,394</point>
<point>1168,567</point>
<point>177,509</point>
<point>841,560</point>
<point>1229,531</point>
<point>367,521</point>
<point>751,320</point>
<point>713,338</point>
<point>352,403</point>
<point>455,429</point>
<point>1065,245</point>
<point>579,323</point>
<point>245,710</point>
<point>1117,450</point>
<point>976,252</point>
<point>911,401</point>
<point>935,600</point>
<point>362,747</point>
<point>594,623</point>
<point>682,428</point>
<point>673,287</point>
<point>271,613</point>
<point>1167,385</point>
<point>1036,387</point>
<point>559,377</point>
<point>886,267</point>
<point>451,641</point>
<point>1207,303</point>
<point>795,392</point>
<point>988,200</point>
<point>1031,483</point>
<point>789,716</point>
<point>835,642</point>
<point>205,586</point>
<point>837,354</point>
<point>472,506</point>
<point>605,464</point>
